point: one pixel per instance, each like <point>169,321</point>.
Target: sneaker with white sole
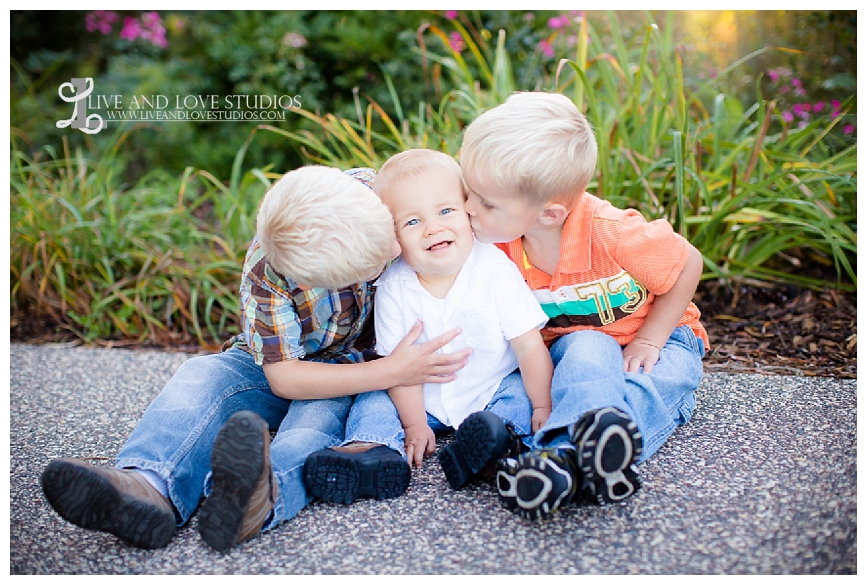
<point>608,444</point>
<point>537,484</point>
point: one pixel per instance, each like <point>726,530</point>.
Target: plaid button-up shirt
<point>280,322</point>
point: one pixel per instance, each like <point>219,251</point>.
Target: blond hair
<point>320,227</point>
<point>537,143</point>
<point>411,163</point>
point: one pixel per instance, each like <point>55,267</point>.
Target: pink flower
<point>848,129</point>
<point>787,116</point>
<point>835,113</point>
<point>835,104</point>
<point>796,83</point>
<point>456,42</point>
<point>451,14</point>
<point>817,107</point>
<point>529,17</point>
<point>796,109</point>
<point>784,89</point>
<point>101,20</point>
<point>774,75</point>
<point>558,22</point>
<point>800,91</point>
<point>546,48</point>
<point>131,29</point>
<point>804,114</point>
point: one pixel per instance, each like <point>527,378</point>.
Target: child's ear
<point>553,214</point>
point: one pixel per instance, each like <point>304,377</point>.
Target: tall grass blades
<point>154,262</point>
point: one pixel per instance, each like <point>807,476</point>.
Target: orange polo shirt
<point>612,265</point>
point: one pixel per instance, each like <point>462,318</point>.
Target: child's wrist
<point>647,342</point>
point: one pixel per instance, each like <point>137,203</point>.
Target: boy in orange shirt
<point>624,336</point>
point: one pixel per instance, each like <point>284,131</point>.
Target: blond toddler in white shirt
<point>446,279</point>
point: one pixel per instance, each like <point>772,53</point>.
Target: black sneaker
<point>480,441</point>
<point>608,444</point>
<point>343,476</point>
<point>538,483</point>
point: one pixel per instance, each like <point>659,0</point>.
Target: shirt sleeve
<point>387,317</point>
<point>269,319</point>
<point>651,251</point>
<point>517,308</point>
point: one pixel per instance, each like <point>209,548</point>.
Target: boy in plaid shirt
<point>304,350</point>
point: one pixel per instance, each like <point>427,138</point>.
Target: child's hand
<point>418,363</point>
<point>540,417</point>
<point>419,443</point>
<point>640,353</point>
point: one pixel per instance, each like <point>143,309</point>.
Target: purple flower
<point>818,106</point>
<point>804,114</point>
<point>774,75</point>
<point>796,83</point>
<point>131,29</point>
<point>451,14</point>
<point>848,129</point>
<point>558,22</point>
<point>456,42</point>
<point>546,48</point>
<point>800,91</point>
<point>835,104</point>
<point>796,109</point>
<point>787,117</point>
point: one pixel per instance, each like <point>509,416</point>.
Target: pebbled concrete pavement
<point>761,481</point>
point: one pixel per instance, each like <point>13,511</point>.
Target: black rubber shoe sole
<point>237,460</point>
<point>341,477</point>
<point>91,501</point>
<point>608,445</point>
<point>481,439</point>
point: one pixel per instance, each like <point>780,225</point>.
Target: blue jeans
<point>588,374</point>
<point>375,410</point>
<point>175,435</point>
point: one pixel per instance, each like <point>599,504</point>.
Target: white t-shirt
<point>491,304</point>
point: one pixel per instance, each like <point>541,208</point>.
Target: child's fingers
<point>439,341</point>
<point>419,457</point>
<point>410,450</point>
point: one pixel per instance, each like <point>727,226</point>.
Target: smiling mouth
<point>440,246</point>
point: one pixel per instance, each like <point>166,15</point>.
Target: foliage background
<point>138,233</point>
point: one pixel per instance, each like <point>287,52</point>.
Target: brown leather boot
<point>244,487</point>
<point>117,501</point>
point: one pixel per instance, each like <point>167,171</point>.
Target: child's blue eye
<point>412,222</point>
<point>446,210</point>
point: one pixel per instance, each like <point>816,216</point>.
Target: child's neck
<point>542,247</point>
<point>438,286</point>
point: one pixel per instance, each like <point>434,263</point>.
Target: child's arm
<point>663,317</point>
<point>408,364</point>
<point>420,440</point>
<point>537,369</point>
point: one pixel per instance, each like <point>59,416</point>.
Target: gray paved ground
<point>762,480</point>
